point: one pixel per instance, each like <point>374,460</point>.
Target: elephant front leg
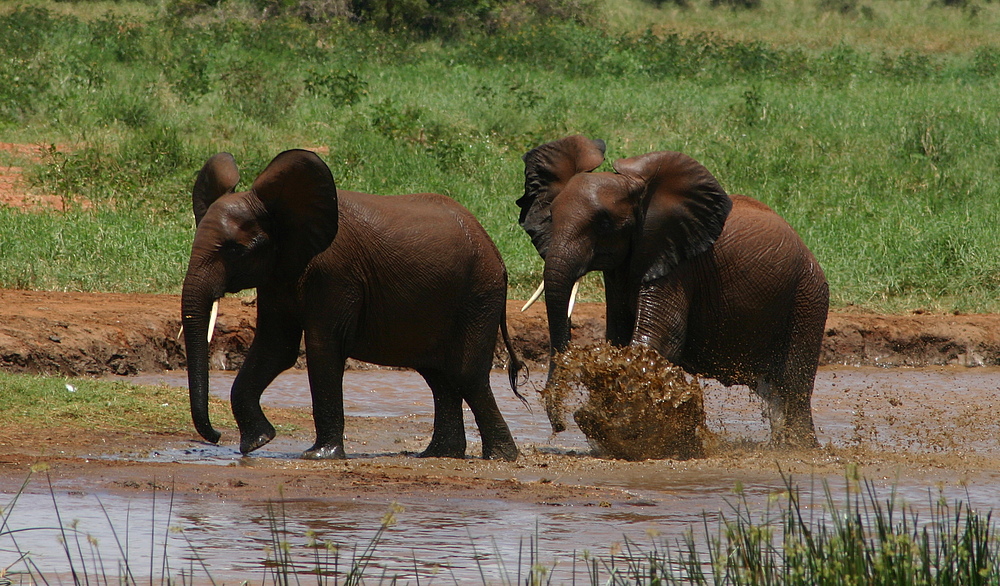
<point>662,318</point>
<point>619,306</point>
<point>272,352</point>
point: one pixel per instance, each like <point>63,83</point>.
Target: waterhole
<point>920,432</point>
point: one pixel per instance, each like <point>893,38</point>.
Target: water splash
<point>635,404</point>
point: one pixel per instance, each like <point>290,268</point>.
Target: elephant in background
<point>409,281</point>
<point>719,285</point>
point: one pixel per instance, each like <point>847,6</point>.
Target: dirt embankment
<point>100,333</point>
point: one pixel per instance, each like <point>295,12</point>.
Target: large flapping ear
<point>547,169</point>
<point>217,177</point>
<point>299,194</point>
<point>682,210</point>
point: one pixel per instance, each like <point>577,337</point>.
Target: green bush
<point>341,87</point>
<point>23,31</point>
<point>119,37</point>
<point>259,90</point>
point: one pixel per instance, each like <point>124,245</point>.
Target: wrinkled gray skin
<point>718,284</point>
<point>409,281</point>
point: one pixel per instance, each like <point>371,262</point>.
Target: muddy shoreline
<point>872,422</point>
<point>95,334</point>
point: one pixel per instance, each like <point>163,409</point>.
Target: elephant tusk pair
<point>538,293</point>
<point>211,322</point>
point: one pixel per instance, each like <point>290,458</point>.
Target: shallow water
<point>950,411</point>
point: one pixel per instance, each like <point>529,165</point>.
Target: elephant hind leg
<point>498,443</point>
<point>448,438</point>
<point>788,393</point>
<point>788,408</point>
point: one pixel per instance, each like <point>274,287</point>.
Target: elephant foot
<point>250,442</point>
<point>504,451</point>
<point>443,452</point>
<point>795,441</point>
<point>325,452</point>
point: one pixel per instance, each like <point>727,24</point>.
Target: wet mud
<point>923,432</point>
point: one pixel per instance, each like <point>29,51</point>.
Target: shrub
<point>259,90</point>
<point>738,4</point>
<point>120,38</point>
<point>23,31</point>
<point>342,87</point>
<point>986,62</point>
<point>132,108</point>
<point>456,18</point>
<point>392,121</point>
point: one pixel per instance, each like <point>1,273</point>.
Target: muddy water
<point>924,431</point>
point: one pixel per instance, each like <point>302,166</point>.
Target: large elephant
<point>409,281</point>
<point>720,285</point>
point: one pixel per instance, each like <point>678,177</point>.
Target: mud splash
<point>635,404</point>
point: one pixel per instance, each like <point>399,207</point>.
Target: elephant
<point>406,281</point>
<point>720,285</point>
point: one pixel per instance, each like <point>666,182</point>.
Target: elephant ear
<point>547,169</point>
<point>217,177</point>
<point>300,197</point>
<point>682,209</point>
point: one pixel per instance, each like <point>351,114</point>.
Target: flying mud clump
<point>635,404</point>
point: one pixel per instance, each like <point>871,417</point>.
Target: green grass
<point>28,401</point>
<point>872,127</point>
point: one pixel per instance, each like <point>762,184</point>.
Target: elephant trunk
<point>560,277</point>
<point>196,304</point>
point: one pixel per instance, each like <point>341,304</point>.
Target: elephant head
<point>653,213</point>
<point>262,237</point>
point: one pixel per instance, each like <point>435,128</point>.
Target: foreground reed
<point>857,537</point>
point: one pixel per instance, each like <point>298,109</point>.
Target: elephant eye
<point>603,223</point>
<point>233,249</point>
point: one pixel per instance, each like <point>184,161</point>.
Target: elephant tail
<point>514,365</point>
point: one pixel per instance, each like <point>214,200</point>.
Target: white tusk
<point>211,320</point>
<point>534,296</point>
<point>572,299</point>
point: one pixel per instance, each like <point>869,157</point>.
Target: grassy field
<point>87,404</point>
<point>873,127</point>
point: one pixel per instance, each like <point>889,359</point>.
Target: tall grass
<point>859,537</point>
<point>881,149</point>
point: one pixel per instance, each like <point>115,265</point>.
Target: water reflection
<point>456,539</point>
